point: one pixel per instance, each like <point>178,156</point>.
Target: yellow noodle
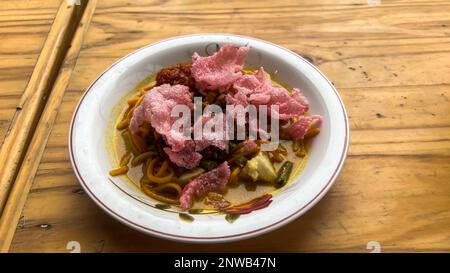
<point>130,113</point>
<point>276,156</point>
<point>163,168</point>
<point>312,132</point>
<point>133,100</point>
<point>158,197</point>
<point>301,152</point>
<point>123,124</point>
<point>139,100</point>
<point>125,114</point>
<point>119,171</point>
<point>234,175</point>
<point>156,179</point>
<point>125,119</point>
<point>125,159</point>
<point>142,157</point>
<point>138,142</point>
<point>129,143</point>
<point>149,86</point>
<point>170,185</point>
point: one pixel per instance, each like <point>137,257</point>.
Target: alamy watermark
<point>374,246</point>
<point>74,247</point>
<point>211,123</point>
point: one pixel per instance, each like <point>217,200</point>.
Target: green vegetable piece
<point>284,173</point>
<point>241,161</point>
<point>208,164</point>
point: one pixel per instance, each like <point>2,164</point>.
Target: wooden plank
<point>31,101</point>
<point>24,179</point>
<point>24,27</point>
<point>391,72</point>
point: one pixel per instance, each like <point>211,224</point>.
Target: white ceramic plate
<point>92,162</point>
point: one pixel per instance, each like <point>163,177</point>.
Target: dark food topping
<point>214,153</point>
<point>178,74</point>
<point>208,164</point>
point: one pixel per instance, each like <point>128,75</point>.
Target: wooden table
<point>391,64</point>
<point>24,27</point>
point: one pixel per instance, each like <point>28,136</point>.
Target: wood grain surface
<point>24,26</point>
<point>390,62</point>
<point>32,100</point>
<point>32,158</point>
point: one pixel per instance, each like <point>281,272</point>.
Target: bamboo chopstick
<point>20,189</point>
<point>33,98</point>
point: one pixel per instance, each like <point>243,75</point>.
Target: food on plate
<point>190,160</point>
